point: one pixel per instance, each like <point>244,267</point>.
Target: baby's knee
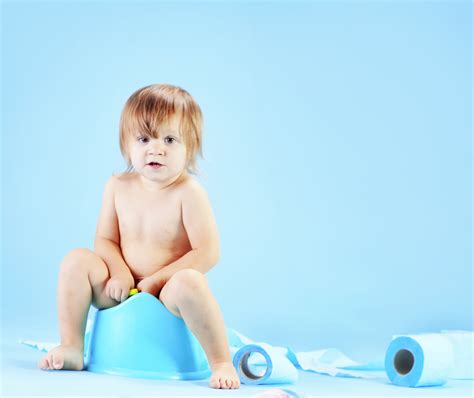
<point>188,281</point>
<point>76,259</point>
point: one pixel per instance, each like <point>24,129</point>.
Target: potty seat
<point>141,338</point>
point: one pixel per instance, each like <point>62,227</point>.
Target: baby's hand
<point>119,286</point>
<point>153,284</point>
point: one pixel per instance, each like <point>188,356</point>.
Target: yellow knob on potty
<point>132,292</point>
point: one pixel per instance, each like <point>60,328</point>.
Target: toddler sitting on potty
<point>156,231</point>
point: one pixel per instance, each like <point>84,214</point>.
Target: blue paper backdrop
<point>337,145</point>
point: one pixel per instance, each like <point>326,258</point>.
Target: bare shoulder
<point>123,179</point>
<point>190,188</point>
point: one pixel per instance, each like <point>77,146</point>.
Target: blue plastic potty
<point>141,338</point>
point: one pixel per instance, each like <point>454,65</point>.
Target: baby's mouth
<point>155,165</point>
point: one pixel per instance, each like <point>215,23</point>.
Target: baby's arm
<point>201,227</point>
<point>107,246</point>
<point>203,236</point>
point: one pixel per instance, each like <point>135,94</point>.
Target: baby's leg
<point>187,295</point>
<point>82,279</point>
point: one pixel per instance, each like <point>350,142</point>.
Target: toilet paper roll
<point>419,360</point>
<point>273,369</point>
<point>462,342</point>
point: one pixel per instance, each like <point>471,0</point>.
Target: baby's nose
<point>156,149</point>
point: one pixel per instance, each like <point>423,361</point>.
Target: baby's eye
<point>170,140</point>
<point>143,140</point>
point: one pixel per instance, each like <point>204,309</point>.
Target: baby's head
<point>161,123</point>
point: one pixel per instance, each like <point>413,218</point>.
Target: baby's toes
<point>44,363</point>
<point>214,382</point>
<point>41,363</point>
<point>223,383</point>
<point>57,362</point>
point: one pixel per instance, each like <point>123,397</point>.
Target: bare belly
<point>144,259</point>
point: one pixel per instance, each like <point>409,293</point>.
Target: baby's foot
<point>224,376</point>
<point>63,357</point>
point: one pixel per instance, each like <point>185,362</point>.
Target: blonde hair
<point>150,107</point>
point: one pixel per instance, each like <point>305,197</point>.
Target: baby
<point>156,231</point>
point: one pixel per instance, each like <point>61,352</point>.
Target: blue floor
<point>20,377</point>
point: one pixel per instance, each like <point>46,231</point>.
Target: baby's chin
<point>161,176</point>
<point>152,171</point>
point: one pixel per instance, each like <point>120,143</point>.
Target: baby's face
<point>159,159</point>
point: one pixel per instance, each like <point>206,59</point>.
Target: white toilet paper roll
<point>462,342</point>
<point>419,360</point>
<point>276,369</point>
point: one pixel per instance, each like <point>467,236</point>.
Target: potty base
<point>142,374</point>
<point>141,338</point>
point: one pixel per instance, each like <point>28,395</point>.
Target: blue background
<point>337,157</point>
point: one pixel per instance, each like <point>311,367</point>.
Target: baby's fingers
<point>113,293</point>
<point>109,291</point>
<point>118,295</point>
<point>124,295</point>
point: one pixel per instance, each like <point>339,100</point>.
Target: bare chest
<point>149,219</point>
<point>152,233</point>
